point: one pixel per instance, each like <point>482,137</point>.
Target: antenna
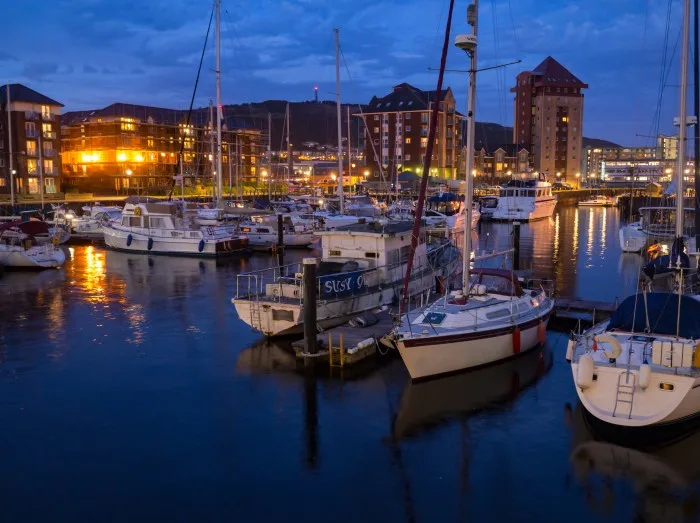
<point>316,93</point>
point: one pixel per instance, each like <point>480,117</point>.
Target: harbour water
<point>130,391</point>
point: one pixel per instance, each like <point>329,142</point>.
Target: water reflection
<point>664,481</point>
<point>428,404</point>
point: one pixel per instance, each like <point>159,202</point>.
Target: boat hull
<point>632,240</point>
<point>543,209</point>
<point>290,240</point>
<point>43,257</point>
<point>119,240</point>
<point>438,355</point>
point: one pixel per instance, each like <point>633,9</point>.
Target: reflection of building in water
<point>427,404</point>
<point>663,480</point>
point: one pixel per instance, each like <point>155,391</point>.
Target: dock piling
<point>516,246</point>
<point>310,331</point>
<point>280,240</point>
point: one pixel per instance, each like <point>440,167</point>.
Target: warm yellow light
<point>366,173</point>
<point>129,172</point>
<point>162,154</point>
<point>668,171</point>
<point>473,172</point>
<point>578,175</point>
<point>565,119</point>
<point>139,158</point>
<point>558,175</point>
<point>353,165</point>
<point>121,157</point>
<point>686,171</point>
<point>509,173</point>
<point>334,176</point>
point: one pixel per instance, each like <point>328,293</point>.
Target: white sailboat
<point>492,318</point>
<point>20,250</point>
<point>637,374</point>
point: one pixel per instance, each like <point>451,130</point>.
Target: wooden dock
<point>566,308</point>
<point>351,343</point>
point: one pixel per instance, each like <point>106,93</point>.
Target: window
<point>564,118</point>
<point>155,222</point>
<point>333,252</point>
<point>45,112</point>
<point>408,116</point>
<point>48,167</point>
<point>423,142</point>
<point>50,185</point>
<point>407,158</point>
<point>48,149</point>
<point>33,185</point>
<point>371,255</point>
<point>134,221</point>
<point>408,139</point>
<point>424,118</point>
<point>3,182</point>
<point>151,142</point>
<point>31,166</point>
<point>376,129</point>
<point>566,90</point>
<point>376,117</point>
<point>376,142</point>
<point>408,128</point>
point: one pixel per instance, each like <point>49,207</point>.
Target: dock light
<point>129,172</point>
<point>509,173</point>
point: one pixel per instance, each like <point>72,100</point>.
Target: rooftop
<point>405,97</point>
<point>22,93</point>
<point>551,72</point>
<point>391,228</point>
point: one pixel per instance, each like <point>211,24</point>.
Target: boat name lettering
<point>340,284</point>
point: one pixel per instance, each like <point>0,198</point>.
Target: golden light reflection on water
<point>604,229</point>
<point>591,229</point>
<point>556,237</point>
<point>575,238</point>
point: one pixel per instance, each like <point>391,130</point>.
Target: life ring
<point>610,340</point>
<point>137,211</point>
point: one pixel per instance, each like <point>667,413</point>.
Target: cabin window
<point>282,315</point>
<point>263,230</point>
<point>371,255</point>
<point>334,252</point>
<point>531,193</point>
<point>131,221</point>
<point>500,313</point>
<point>156,223</point>
<point>434,318</point>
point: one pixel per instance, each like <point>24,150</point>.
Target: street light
<point>558,175</point>
<point>366,173</point>
<point>129,172</point>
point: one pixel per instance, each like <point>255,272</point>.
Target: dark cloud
<point>89,69</point>
<point>40,70</point>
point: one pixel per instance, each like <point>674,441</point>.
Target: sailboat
<point>491,318</point>
<point>637,374</point>
<point>172,227</point>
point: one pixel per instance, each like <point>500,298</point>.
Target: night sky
<point>90,53</point>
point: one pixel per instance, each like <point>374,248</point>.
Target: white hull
<point>38,257</point>
<point>523,209</point>
<point>632,239</point>
<point>284,319</point>
<point>443,356</point>
<point>290,239</point>
<point>119,239</point>
<point>650,407</point>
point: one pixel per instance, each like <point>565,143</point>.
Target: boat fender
<point>644,375</point>
<point>150,243</point>
<point>516,341</point>
<point>129,239</point>
<point>570,346</point>
<point>696,357</point>
<point>612,341</point>
<point>584,373</point>
<point>201,245</point>
<point>541,333</point>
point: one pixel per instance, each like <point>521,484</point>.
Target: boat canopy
<point>662,310</point>
<point>444,197</point>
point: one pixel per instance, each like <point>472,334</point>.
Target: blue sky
<point>90,53</point>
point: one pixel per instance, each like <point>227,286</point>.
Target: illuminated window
<point>46,127</point>
<point>29,130</point>
<point>45,112</point>
<point>565,119</point>
<point>33,185</point>
<point>31,148</point>
<point>151,142</point>
<point>423,142</point>
<point>408,140</point>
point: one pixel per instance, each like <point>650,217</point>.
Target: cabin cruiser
<point>439,213</point>
<point>89,225</point>
<point>362,267</point>
<point>167,228</point>
<point>19,249</point>
<point>262,232</point>
<point>637,372</point>
<point>487,206</point>
<point>363,206</point>
<point>598,200</point>
<point>525,201</point>
<point>494,320</point>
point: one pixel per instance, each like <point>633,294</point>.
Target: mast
<point>349,147</point>
<point>211,138</point>
<point>696,135</point>
<point>40,166</point>
<point>415,233</point>
<point>219,200</point>
<point>9,144</point>
<point>340,127</point>
<point>473,20</point>
<point>290,158</point>
<point>682,132</point>
<point>269,156</point>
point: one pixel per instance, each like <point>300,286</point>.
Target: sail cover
<point>662,310</point>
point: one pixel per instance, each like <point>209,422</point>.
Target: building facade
<point>549,118</point>
<point>504,161</point>
<point>641,172</point>
<point>30,142</point>
<point>124,147</point>
<point>397,127</point>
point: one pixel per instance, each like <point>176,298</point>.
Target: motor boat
<point>362,267</point>
<point>20,250</point>
<point>525,201</point>
<point>363,206</point>
<point>262,232</point>
<point>88,226</point>
<point>598,201</point>
<point>494,320</point>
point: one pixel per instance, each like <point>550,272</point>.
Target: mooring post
<point>310,306</point>
<point>280,240</point>
<point>516,246</point>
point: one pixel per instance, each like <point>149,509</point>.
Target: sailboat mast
<point>9,144</point>
<point>340,126</point>
<point>290,156</point>
<point>473,20</point>
<point>682,121</point>
<point>212,160</point>
<point>696,99</point>
<point>219,115</point>
<point>269,156</point>
<point>349,146</point>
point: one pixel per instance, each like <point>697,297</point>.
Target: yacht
<point>166,228</point>
<point>362,267</point>
<point>262,232</point>
<point>525,201</point>
<point>19,249</point>
<point>632,237</point>
<point>89,225</point>
<point>597,201</point>
<point>496,320</point>
<point>363,206</point>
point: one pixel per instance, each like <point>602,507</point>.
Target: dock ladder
<point>340,349</point>
<point>625,391</point>
<point>255,314</point>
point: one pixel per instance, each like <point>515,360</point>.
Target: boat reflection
<point>266,357</point>
<point>427,404</point>
<point>664,479</point>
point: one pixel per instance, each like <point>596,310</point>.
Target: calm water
<point>130,391</point>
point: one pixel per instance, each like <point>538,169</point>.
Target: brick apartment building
<point>397,133</point>
<point>30,143</point>
<point>549,118</point>
<point>124,147</point>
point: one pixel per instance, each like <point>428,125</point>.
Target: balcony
<point>50,172</point>
<point>49,135</point>
<point>30,133</point>
<point>47,117</point>
<point>31,115</point>
<point>49,153</point>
